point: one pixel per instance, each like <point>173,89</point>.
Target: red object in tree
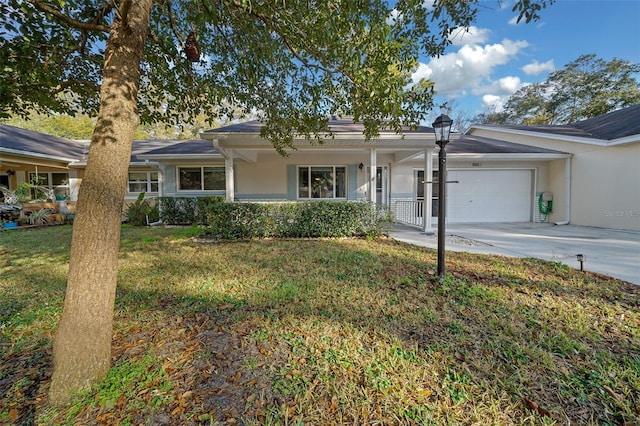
<point>191,47</point>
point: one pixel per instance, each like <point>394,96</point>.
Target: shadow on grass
<point>546,337</point>
<point>265,321</point>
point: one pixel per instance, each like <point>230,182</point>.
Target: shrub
<point>141,212</point>
<point>186,210</point>
<point>293,220</point>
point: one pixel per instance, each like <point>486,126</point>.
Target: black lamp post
<point>442,128</point>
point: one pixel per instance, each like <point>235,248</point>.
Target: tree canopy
<point>296,63</point>
<point>584,88</point>
<point>292,63</point>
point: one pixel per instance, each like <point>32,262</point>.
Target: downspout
<point>228,172</point>
<point>160,170</point>
<point>567,192</point>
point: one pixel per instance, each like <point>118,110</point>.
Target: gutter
<point>220,149</point>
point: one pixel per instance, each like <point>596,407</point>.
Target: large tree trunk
<point>82,348</point>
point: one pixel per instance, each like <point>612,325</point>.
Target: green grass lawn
<point>318,332</point>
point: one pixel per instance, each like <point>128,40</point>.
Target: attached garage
<point>490,195</point>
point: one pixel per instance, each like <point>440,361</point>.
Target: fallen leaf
<point>334,403</point>
<point>425,392</point>
<point>235,378</point>
<point>14,414</point>
<point>611,392</point>
<point>534,406</point>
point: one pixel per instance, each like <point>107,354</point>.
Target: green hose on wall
<point>545,207</point>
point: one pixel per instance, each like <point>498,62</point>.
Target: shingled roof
<point>471,144</point>
<point>34,144</point>
<point>182,148</point>
<point>336,125</point>
<point>614,125</point>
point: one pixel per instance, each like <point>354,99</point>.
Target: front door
<point>382,191</point>
<point>419,193</point>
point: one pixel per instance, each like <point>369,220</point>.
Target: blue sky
<point>497,57</point>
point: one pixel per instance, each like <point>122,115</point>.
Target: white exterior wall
<point>605,187</point>
<point>558,188</point>
<point>266,179</point>
<point>605,180</point>
<point>403,181</point>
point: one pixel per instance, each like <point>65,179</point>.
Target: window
<point>56,181</point>
<point>322,182</point>
<point>143,182</point>
<point>201,179</point>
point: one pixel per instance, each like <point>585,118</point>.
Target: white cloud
<point>499,91</point>
<point>493,103</point>
<point>429,5</point>
<point>505,86</point>
<point>469,36</point>
<point>394,17</point>
<point>470,68</point>
<point>514,21</point>
<point>537,68</point>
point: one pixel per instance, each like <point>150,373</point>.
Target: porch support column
<point>427,213</point>
<point>229,177</point>
<point>372,176</point>
<point>230,194</point>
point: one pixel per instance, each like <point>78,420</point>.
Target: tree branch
<point>80,25</point>
<point>278,29</point>
<point>172,24</point>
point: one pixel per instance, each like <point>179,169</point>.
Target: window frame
<point>334,176</point>
<point>202,189</point>
<point>64,188</point>
<point>148,182</point>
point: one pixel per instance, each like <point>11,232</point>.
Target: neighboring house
<point>27,156</point>
<point>599,183</point>
<point>495,173</point>
<point>58,163</point>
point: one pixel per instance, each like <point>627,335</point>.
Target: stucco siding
<point>557,186</point>
<point>605,179</point>
<point>605,188</point>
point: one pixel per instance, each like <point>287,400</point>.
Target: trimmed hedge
<point>295,220</point>
<point>186,210</point>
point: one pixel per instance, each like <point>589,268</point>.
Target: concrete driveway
<point>608,251</point>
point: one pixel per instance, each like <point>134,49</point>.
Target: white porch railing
<point>409,212</point>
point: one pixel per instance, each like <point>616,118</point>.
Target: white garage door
<point>489,196</point>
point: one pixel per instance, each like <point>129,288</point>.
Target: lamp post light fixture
<point>442,129</point>
<point>581,258</point>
